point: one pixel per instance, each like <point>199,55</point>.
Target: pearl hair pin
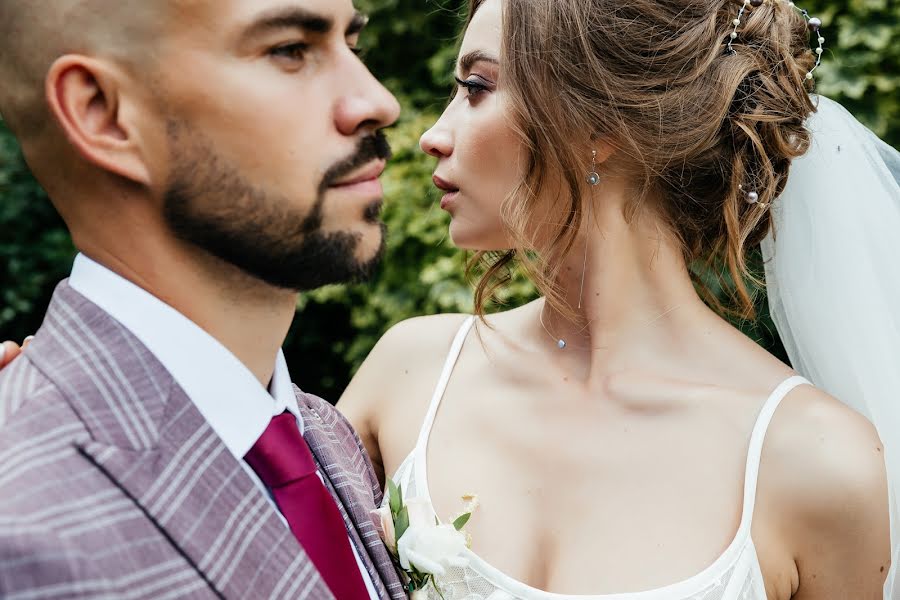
<point>813,23</point>
<point>753,198</point>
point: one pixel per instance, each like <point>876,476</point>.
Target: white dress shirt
<point>227,394</point>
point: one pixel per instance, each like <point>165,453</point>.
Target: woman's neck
<point>627,284</point>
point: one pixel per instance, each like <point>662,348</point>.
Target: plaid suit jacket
<point>112,485</point>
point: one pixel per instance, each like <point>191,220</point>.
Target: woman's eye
<point>473,87</point>
<point>293,52</point>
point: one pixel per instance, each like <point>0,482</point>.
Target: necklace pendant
<point>561,344</point>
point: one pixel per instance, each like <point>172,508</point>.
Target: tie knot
<point>281,455</point>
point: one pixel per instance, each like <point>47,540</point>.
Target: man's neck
<point>250,318</point>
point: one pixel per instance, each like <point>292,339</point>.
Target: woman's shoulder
<point>824,463</point>
<point>406,361</point>
<point>388,397</point>
<point>821,444</point>
<point>410,331</point>
<point>420,340</point>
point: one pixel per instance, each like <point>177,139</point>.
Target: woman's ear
<point>603,146</point>
<point>605,150</point>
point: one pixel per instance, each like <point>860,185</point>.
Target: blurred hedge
<point>411,46</point>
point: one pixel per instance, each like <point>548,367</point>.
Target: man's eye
<point>293,52</point>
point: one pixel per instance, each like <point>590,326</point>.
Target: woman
<point>623,438</point>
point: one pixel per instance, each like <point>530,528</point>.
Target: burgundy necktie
<point>283,461</point>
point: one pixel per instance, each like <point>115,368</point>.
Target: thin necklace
<point>593,180</point>
<point>562,344</point>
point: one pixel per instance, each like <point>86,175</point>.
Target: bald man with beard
<point>211,159</point>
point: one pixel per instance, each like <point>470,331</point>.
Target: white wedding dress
<point>735,575</point>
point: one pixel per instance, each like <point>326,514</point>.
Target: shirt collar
<point>223,389</point>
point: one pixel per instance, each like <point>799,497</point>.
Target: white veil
<point>833,274</point>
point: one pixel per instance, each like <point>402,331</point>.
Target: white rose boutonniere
<point>420,545</point>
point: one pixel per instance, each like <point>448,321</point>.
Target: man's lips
<point>371,172</point>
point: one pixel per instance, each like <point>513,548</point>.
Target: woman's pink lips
<point>452,191</point>
<point>447,200</point>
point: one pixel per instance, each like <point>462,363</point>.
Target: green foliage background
<point>411,46</point>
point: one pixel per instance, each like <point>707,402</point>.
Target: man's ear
<point>86,98</point>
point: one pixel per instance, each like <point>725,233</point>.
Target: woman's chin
<point>467,238</point>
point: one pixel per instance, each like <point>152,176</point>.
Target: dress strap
<point>452,357</point>
<point>754,455</point>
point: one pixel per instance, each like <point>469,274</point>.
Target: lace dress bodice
<point>735,575</point>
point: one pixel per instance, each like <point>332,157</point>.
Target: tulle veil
<point>833,278</point>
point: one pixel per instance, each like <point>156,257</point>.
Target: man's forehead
<point>247,12</point>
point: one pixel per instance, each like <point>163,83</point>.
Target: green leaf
<point>460,522</point>
<point>437,588</point>
<point>401,524</point>
<point>394,498</point>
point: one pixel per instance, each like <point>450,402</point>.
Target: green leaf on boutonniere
<point>437,588</point>
<point>394,498</point>
<point>401,524</point>
<point>460,522</point>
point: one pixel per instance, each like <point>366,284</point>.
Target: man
<point>211,158</point>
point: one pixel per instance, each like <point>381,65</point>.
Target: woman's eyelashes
<point>474,86</point>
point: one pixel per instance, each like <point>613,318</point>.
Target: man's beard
<point>210,205</point>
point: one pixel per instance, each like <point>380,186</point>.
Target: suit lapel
<point>197,493</point>
<point>346,469</point>
<point>151,441</point>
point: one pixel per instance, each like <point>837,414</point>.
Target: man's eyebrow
<point>467,61</point>
<point>295,17</point>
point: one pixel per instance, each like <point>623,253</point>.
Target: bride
<point>624,439</point>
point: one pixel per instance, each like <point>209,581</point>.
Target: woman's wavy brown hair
<point>691,123</point>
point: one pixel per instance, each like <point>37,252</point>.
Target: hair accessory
<point>813,23</point>
<point>752,197</point>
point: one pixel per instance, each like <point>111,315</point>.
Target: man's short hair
<point>35,33</point>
